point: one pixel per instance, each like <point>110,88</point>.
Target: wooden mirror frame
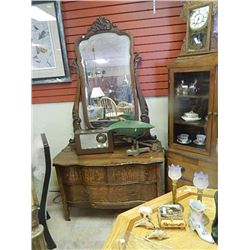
<point>103,25</point>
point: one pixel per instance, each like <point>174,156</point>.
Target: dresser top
<point>68,157</point>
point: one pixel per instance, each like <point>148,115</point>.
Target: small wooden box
<point>170,216</point>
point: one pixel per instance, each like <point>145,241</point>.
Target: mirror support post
<point>143,105</point>
<point>75,110</point>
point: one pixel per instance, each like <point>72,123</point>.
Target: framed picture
<point>48,49</point>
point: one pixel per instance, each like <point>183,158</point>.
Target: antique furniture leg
<point>42,211</point>
<point>65,205</point>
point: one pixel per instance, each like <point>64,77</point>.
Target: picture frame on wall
<point>48,49</point>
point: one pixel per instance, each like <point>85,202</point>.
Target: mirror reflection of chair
<point>110,108</point>
<point>124,106</point>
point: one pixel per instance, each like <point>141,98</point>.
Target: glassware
<point>174,173</point>
<point>201,182</point>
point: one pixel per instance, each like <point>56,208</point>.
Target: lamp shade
<point>97,92</point>
<point>129,128</point>
<point>200,180</point>
<point>174,172</point>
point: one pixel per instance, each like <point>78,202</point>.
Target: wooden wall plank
<point>157,37</point>
<point>128,9</point>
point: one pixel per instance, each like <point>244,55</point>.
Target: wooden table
<point>179,238</point>
<point>108,180</point>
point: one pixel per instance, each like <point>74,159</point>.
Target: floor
<point>88,228</point>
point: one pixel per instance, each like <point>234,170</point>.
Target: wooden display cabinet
<point>202,100</point>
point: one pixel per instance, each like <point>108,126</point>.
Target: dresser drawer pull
<point>133,192</point>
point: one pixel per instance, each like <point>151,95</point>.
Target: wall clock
<point>200,27</point>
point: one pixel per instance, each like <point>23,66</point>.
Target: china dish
<point>198,143</point>
<point>189,119</point>
<point>183,136</point>
<point>181,142</point>
<point>191,114</point>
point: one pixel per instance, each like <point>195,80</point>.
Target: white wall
<point>55,120</point>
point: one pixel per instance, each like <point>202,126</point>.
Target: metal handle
<point>132,192</point>
<point>215,113</point>
<point>209,113</point>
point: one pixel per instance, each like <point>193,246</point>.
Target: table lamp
<point>174,173</point>
<point>96,94</point>
<point>201,182</point>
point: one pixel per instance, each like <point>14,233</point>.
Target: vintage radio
<point>93,141</point>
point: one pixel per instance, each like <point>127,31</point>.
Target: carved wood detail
<point>101,24</point>
<point>75,110</point>
<point>143,105</point>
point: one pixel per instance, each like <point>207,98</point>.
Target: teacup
<point>183,137</point>
<point>200,138</point>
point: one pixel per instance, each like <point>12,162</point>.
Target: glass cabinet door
<point>191,110</point>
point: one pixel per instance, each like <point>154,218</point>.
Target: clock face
<point>199,17</point>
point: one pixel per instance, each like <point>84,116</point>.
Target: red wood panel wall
<point>157,37</point>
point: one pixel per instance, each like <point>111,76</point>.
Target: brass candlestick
<point>199,194</point>
<point>174,173</point>
<point>174,186</point>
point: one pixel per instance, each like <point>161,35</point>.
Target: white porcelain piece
<point>188,119</point>
<point>145,212</point>
<point>200,138</point>
<point>191,114</point>
<point>158,234</point>
<point>198,143</point>
<point>183,137</point>
<point>186,142</point>
<point>201,230</point>
<point>144,223</point>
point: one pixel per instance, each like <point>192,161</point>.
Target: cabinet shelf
<point>193,145</point>
<point>200,123</point>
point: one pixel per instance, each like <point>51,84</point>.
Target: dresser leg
<point>65,205</point>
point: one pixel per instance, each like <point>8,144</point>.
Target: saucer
<point>189,141</point>
<point>198,143</point>
<point>189,119</point>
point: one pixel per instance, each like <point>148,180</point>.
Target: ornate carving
<point>142,101</point>
<point>143,105</point>
<point>192,4</point>
<point>75,111</point>
<point>76,120</point>
<point>101,24</point>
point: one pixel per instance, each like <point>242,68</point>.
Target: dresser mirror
<point>107,74</point>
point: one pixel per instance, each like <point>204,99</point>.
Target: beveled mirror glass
<point>106,71</point>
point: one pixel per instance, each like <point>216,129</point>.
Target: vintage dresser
<point>108,180</point>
